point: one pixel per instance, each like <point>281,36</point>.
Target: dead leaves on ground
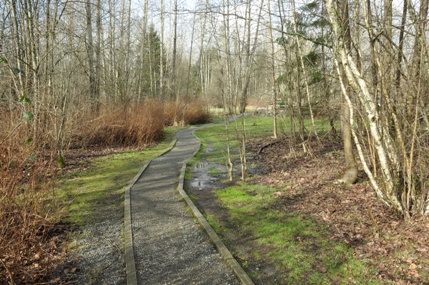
<point>399,250</point>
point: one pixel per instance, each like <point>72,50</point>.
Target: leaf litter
<point>398,249</point>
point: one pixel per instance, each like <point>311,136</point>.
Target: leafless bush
<point>187,111</point>
<point>137,126</point>
<point>27,249</point>
<point>197,113</point>
<point>28,208</point>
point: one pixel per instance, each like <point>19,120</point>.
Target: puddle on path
<point>203,175</point>
<point>207,175</point>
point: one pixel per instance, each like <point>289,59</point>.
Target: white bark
<point>366,168</point>
<point>360,86</point>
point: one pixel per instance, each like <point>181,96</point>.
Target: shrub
<point>186,112</point>
<point>197,113</point>
<point>136,126</point>
<point>29,213</point>
<point>28,250</point>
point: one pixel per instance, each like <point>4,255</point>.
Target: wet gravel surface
<point>170,247</point>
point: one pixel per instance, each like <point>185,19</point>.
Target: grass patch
<point>215,137</point>
<point>214,223</point>
<point>214,172</point>
<point>86,190</point>
<point>298,246</point>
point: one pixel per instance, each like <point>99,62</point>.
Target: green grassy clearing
<point>215,137</point>
<point>255,126</point>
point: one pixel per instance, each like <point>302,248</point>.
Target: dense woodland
<point>75,73</point>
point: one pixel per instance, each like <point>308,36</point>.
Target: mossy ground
<point>300,247</point>
<point>83,190</point>
<point>274,243</point>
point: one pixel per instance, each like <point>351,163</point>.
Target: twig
<point>8,271</point>
<point>265,146</point>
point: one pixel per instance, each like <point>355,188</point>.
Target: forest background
<point>76,74</point>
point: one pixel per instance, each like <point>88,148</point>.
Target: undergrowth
<point>27,246</point>
<point>33,144</point>
<point>138,125</point>
<point>187,111</point>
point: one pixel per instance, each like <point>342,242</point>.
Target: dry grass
<point>186,112</point>
<point>28,248</point>
<point>136,126</point>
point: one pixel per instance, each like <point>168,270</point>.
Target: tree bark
<point>94,99</point>
<point>351,172</point>
<point>161,58</point>
<point>273,73</point>
<point>360,86</point>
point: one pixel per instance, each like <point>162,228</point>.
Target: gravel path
<point>169,245</point>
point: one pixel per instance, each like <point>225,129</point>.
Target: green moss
<point>88,193</point>
<point>298,245</point>
<point>213,172</point>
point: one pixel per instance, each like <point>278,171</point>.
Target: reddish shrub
<point>197,113</point>
<point>139,125</point>
<point>27,249</point>
<point>186,112</point>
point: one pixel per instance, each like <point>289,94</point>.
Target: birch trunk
<point>360,86</point>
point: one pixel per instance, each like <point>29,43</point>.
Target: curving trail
<point>169,245</point>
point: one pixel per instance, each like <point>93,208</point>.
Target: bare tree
<point>142,49</point>
<point>161,63</point>
<point>93,88</point>
<point>303,68</point>
<point>273,72</point>
<point>368,102</point>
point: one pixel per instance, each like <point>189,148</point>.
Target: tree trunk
<point>301,62</point>
<point>351,172</point>
<point>142,51</point>
<point>360,86</point>
<point>400,52</point>
<point>161,58</point>
<point>273,73</point>
<point>93,92</point>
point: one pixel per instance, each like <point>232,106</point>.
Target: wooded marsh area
<point>111,74</point>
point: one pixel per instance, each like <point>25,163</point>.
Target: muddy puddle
<point>205,175</point>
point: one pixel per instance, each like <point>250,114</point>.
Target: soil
<point>306,181</point>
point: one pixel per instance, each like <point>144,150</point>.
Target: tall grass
<point>187,111</point>
<point>137,125</point>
